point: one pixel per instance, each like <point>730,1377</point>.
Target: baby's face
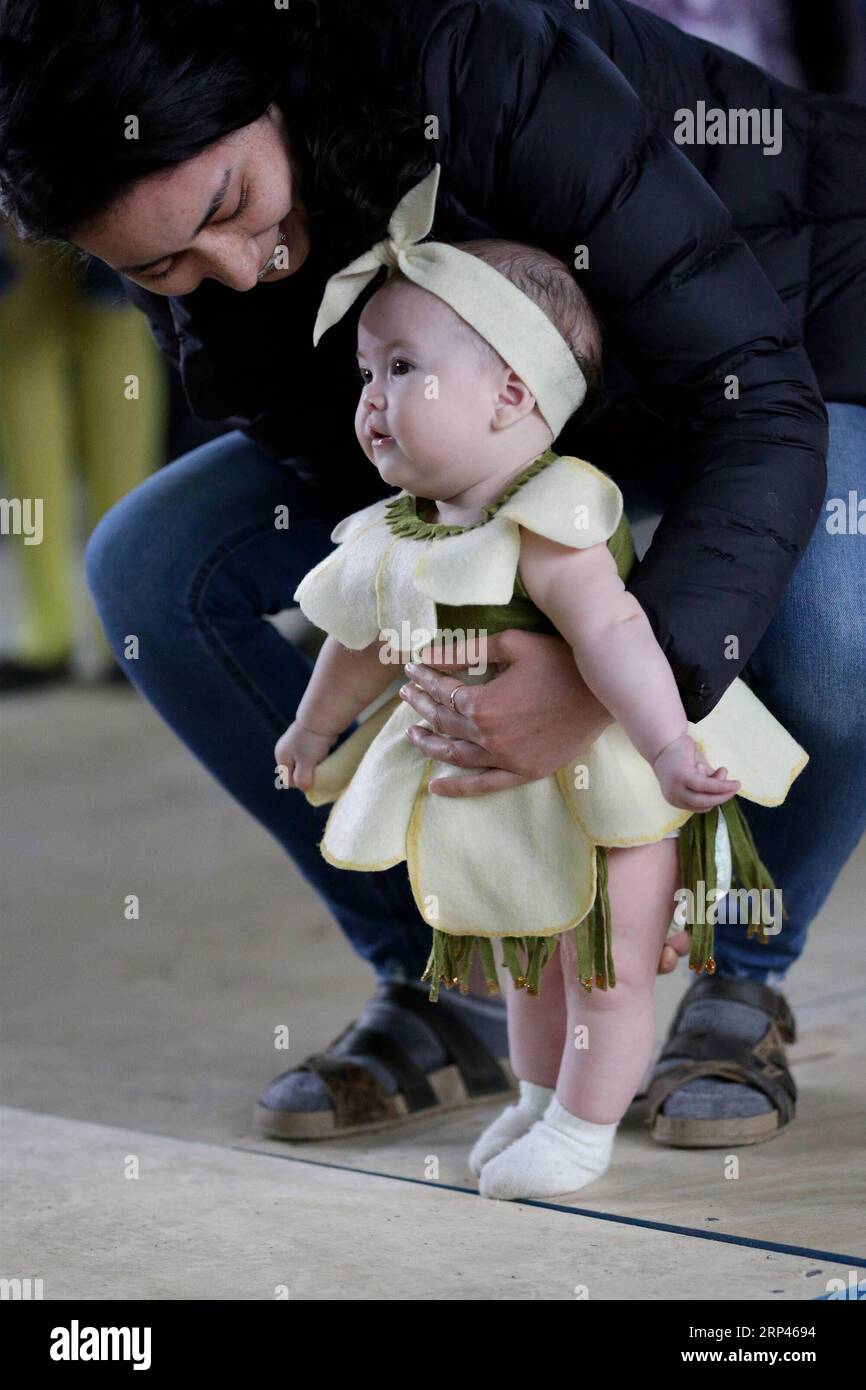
<point>426,389</point>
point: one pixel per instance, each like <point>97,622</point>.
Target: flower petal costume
<point>525,863</point>
<point>530,862</point>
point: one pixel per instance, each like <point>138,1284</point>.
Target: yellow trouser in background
<point>64,362</point>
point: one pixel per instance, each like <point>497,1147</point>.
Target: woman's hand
<point>536,715</point>
<point>300,750</point>
<point>687,782</point>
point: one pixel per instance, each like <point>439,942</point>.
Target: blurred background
<point>69,436</point>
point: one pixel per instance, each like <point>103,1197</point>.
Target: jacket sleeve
<point>578,160</point>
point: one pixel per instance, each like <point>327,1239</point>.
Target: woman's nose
<point>236,264</point>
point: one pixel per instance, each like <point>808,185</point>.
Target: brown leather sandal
<point>762,1065</point>
<point>361,1104</point>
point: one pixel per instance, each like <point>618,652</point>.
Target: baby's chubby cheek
<point>361,434</point>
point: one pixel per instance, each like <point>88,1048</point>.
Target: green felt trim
<point>402,517</point>
<point>520,612</point>
<point>451,957</point>
<point>621,547</point>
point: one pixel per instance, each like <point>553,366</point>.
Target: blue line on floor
<point>806,1251</point>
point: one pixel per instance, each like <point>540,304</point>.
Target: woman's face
<point>217,216</point>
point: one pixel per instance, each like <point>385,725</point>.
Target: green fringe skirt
<point>525,957</point>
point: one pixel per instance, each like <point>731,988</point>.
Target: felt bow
<point>502,314</point>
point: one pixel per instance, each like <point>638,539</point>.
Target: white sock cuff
<point>560,1118</point>
<point>538,1097</point>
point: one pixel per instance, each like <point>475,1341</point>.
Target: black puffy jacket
<point>556,127</point>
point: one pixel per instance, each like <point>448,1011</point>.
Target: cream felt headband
<point>501,313</point>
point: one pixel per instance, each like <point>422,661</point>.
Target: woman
<point>227,158</point>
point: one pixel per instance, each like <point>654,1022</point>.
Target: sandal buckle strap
<point>479,1069</point>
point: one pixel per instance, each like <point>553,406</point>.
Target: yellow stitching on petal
<point>412,833</point>
<point>622,842</point>
<point>752,796</point>
<point>353,864</point>
<point>413,839</point>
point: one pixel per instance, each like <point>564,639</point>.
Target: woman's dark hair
<point>72,72</point>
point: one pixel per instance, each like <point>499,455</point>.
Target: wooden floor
<point>140,1047</point>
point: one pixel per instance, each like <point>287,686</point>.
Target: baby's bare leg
<point>537,1026</point>
<point>611,1032</point>
<point>571,1143</point>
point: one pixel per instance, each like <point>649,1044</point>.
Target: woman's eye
<point>244,199</point>
<point>241,205</point>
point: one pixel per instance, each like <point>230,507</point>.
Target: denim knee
<point>101,557</point>
<point>121,566</point>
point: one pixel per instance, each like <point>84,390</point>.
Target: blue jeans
<point>191,560</point>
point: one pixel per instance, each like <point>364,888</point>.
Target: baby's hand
<point>300,750</point>
<point>687,782</point>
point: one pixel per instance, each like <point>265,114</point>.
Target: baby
<point>444,417</point>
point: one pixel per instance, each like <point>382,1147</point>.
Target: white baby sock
<point>513,1121</point>
<point>560,1153</point>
